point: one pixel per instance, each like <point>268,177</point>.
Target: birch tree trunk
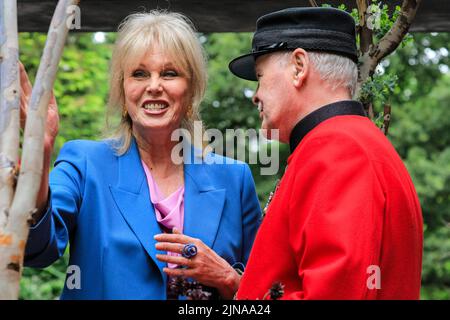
<point>19,202</point>
<point>9,135</point>
<point>9,106</point>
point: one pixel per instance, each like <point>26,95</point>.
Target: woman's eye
<point>139,74</point>
<point>169,73</point>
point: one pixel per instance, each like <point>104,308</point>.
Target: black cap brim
<point>244,67</point>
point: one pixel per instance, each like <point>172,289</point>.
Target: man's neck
<point>315,100</point>
<point>319,100</point>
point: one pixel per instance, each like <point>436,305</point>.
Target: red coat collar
<point>305,125</point>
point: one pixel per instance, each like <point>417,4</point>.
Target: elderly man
<point>345,221</point>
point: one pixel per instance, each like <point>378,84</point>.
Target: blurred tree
<point>421,134</point>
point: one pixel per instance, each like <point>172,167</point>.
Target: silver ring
<point>189,250</point>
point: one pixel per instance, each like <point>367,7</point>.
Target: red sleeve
<point>335,219</point>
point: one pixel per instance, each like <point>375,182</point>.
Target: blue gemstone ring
<point>189,250</point>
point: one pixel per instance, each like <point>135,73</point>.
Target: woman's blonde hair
<point>175,35</point>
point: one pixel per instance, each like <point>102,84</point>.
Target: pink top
<point>169,210</point>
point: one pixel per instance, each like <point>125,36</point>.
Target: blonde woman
<point>134,216</point>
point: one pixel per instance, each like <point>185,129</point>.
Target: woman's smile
<point>155,107</point>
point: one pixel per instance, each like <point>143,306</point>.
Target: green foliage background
<point>420,127</point>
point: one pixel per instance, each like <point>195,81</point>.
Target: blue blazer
<point>100,203</point>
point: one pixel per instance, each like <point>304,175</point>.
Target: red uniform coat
<point>345,207</point>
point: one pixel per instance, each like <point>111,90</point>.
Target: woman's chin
<point>155,126</point>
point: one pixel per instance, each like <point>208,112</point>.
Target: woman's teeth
<point>155,106</point>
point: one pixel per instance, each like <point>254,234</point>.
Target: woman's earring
<point>189,112</point>
<point>124,112</point>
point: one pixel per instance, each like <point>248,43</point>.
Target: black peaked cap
<point>314,29</point>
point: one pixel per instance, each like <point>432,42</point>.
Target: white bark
<point>28,184</point>
<point>9,135</point>
<point>9,105</point>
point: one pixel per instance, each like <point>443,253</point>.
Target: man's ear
<point>300,66</point>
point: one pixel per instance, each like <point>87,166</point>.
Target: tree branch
<point>9,105</point>
<point>386,119</point>
<point>365,43</point>
<point>390,41</point>
<point>365,33</point>
<point>24,203</point>
<point>399,29</point>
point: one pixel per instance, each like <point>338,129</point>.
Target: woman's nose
<point>154,86</point>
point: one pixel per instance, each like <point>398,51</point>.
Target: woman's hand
<point>51,130</point>
<point>206,266</point>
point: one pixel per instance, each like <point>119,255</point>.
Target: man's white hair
<point>338,71</point>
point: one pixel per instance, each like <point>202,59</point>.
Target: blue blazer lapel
<point>133,200</point>
<point>203,204</point>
